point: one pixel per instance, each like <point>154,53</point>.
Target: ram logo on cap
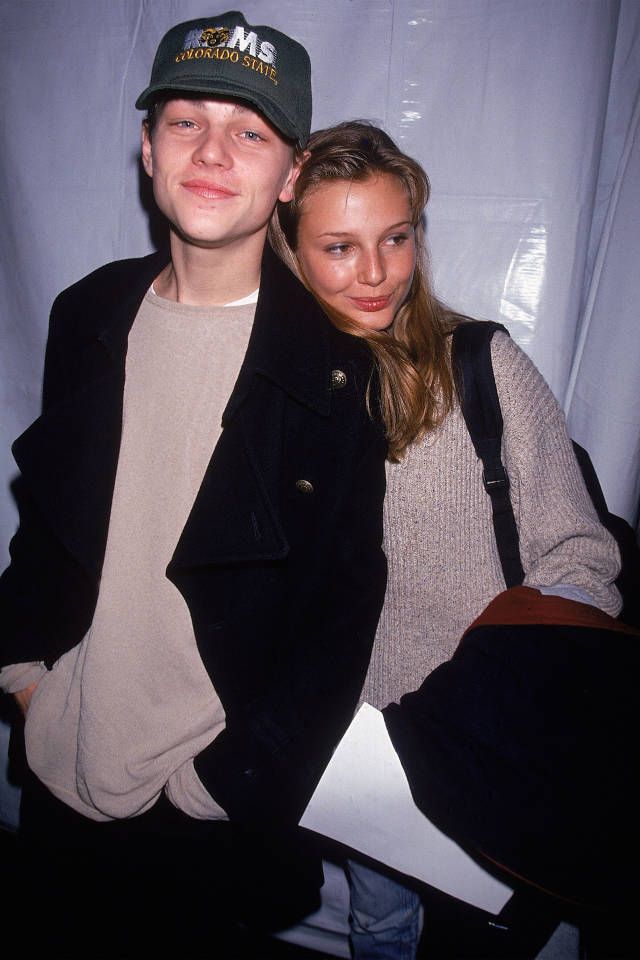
<point>214,36</point>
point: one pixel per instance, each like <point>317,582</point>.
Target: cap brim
<point>222,89</point>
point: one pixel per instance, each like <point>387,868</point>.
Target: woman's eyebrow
<point>347,233</point>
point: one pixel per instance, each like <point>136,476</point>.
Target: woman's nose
<point>371,268</point>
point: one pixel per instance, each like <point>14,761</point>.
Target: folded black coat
<point>523,746</point>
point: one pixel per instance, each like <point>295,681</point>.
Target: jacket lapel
<point>235,516</point>
<point>289,343</point>
<point>68,456</point>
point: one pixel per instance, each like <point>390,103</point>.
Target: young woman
<point>354,233</point>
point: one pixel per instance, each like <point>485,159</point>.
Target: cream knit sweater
<point>443,561</point>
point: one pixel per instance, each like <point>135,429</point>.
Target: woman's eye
<point>397,239</point>
<point>337,249</point>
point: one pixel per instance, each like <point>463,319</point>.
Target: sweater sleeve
<point>17,676</point>
<point>562,542</point>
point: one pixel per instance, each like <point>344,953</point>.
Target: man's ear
<point>147,153</point>
<point>286,194</point>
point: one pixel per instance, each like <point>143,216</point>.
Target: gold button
<point>338,379</point>
<point>304,486</point>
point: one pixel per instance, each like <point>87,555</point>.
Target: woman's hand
<point>23,698</point>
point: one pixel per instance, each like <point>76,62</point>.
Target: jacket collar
<point>289,342</point>
<point>127,294</point>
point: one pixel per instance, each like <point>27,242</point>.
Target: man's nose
<point>212,148</point>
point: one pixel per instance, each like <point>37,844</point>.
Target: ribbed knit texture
<point>443,560</point>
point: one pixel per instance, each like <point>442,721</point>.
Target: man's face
<point>218,168</point>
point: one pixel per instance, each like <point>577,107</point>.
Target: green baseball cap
<point>226,56</point>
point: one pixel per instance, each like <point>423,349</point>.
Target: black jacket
<point>284,579</point>
<point>522,746</point>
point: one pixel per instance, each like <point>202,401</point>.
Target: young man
<point>197,574</point>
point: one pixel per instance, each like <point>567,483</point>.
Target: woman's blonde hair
<point>416,383</point>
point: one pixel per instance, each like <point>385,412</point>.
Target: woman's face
<point>356,247</point>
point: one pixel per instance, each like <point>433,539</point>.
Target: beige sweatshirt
<point>120,717</point>
<point>443,560</point>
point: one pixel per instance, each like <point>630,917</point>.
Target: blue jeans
<point>384,916</point>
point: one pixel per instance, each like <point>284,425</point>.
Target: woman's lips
<point>207,190</point>
<point>371,304</point>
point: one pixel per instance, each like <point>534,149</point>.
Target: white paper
<point>363,800</point>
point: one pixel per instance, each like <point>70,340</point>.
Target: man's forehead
<point>201,103</point>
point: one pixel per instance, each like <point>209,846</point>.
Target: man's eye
<point>252,135</point>
<point>185,124</point>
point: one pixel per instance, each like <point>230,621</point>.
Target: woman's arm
<point>562,542</point>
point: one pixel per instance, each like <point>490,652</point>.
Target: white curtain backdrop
<point>525,114</point>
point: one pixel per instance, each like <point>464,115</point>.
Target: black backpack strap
<point>473,371</point>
